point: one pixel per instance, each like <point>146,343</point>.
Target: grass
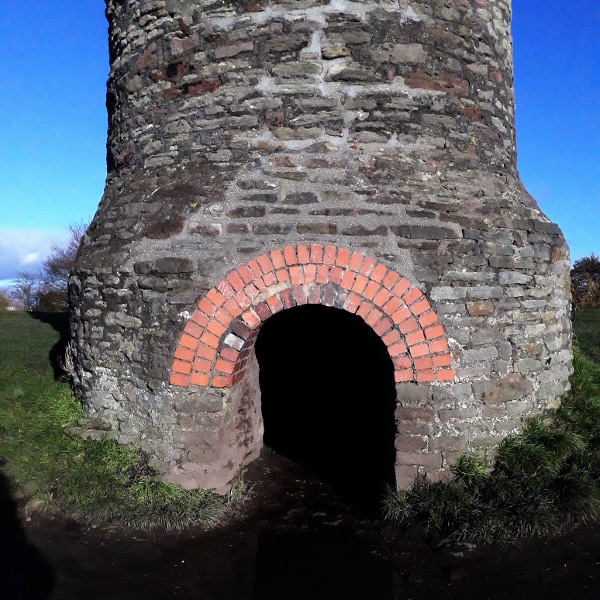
<point>94,481</point>
<point>543,480</point>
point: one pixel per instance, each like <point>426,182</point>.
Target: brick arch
<point>219,336</point>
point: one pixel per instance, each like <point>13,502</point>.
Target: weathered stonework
<point>249,139</point>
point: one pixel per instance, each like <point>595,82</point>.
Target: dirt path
<point>294,538</point>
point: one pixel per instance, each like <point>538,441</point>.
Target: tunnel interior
<point>328,399</point>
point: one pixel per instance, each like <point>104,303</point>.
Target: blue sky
<point>53,69</point>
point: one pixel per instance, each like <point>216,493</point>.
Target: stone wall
<point>238,129</point>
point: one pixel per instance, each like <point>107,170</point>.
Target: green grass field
<point>95,481</point>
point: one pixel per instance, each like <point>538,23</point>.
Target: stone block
<point>511,387</point>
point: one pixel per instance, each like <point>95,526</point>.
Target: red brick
<point>390,279</point>
<point>402,362</point>
<point>202,366</point>
<point>255,268</point>
<point>224,288</point>
<point>408,326</point>
<point>415,337</point>
<point>215,297</point>
<point>392,305</point>
<point>443,360</point>
<point>382,326</point>
<point>215,327</point>
<point>444,375</point>
<point>263,311</point>
<point>184,353</point>
<point>299,294</point>
<point>269,279</point>
<point>314,294</point>
<point>343,256</point>
<point>412,296</point>
<point>382,297</point>
<point>401,315</point>
<point>233,308</point>
<point>251,291</point>
<point>251,319</point>
<point>230,354</point>
<point>423,363</point>
<point>379,273</point>
<point>207,307</point>
<point>397,349</point>
<point>355,261</point>
<point>303,255</point>
<point>220,381</point>
<point>206,352</point>
<point>352,303</point>
<point>423,376</point>
<point>245,273</point>
<point>316,254</point>
<point>296,275</point>
<point>278,260</point>
<point>210,339</point>
<point>289,254</point>
<point>224,366</point>
<point>274,304</point>
<point>428,319</point>
<point>235,280</point>
<point>419,350</point>
<point>404,375</point>
<point>192,329</point>
<point>243,300</point>
<point>391,338</point>
<point>288,298</point>
<point>180,366</point>
<point>364,309</point>
<point>310,272</point>
<point>179,379</point>
<point>420,307</point>
<point>434,332</point>
<point>322,274</point>
<point>329,255</point>
<point>438,346</point>
<point>188,341</point>
<point>335,275</point>
<point>373,317</point>
<point>260,285</point>
<point>367,266</point>
<point>401,287</point>
<point>360,284</point>
<point>223,317</point>
<point>347,280</point>
<point>371,290</point>
<point>199,318</point>
<point>199,379</point>
<point>282,275</point>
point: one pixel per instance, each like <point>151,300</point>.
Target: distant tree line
<point>585,282</point>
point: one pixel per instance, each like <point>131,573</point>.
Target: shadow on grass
<point>60,322</point>
<point>24,573</point>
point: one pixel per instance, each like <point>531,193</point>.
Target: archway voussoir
<point>289,255</point>
<point>322,274</point>
<point>425,376</point>
<point>303,254</point>
<point>270,278</point>
<point>186,354</point>
<point>428,318</point>
<point>379,273</point>
<point>265,263</point>
<point>296,275</point>
<point>316,254</point>
<point>314,294</point>
<point>199,318</point>
<point>360,284</point>
<point>412,296</point>
<point>371,290</point>
<point>420,306</point>
<point>444,375</point>
<point>381,297</point>
<point>179,379</point>
<point>342,258</point>
<point>251,318</point>
<point>414,337</point>
<point>224,287</point>
<point>329,253</point>
<point>299,295</point>
<point>400,288</point>
<point>355,261</point>
<point>277,259</point>
<point>236,282</point>
<point>245,273</point>
<point>347,279</point>
<point>310,273</point>
<point>397,349</point>
<point>390,279</point>
<point>215,297</point>
<point>274,304</point>
<point>352,302</point>
<point>403,375</point>
<point>436,331</point>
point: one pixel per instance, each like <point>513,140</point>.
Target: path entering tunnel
<point>328,399</point>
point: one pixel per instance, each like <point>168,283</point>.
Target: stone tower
<point>265,154</point>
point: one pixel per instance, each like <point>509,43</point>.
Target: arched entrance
<point>328,399</point>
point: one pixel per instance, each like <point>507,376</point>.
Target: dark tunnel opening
<point>328,399</point>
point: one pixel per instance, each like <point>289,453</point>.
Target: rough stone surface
<point>238,129</point>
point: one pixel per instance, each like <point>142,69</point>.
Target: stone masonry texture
<point>264,154</point>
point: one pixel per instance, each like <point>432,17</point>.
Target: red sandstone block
<point>224,288</point>
<point>401,287</point>
<point>343,256</point>
<point>428,318</point>
<point>199,379</point>
<point>423,363</point>
<point>402,362</point>
<point>215,327</point>
<point>335,275</point>
<point>322,274</point>
<point>287,297</point>
<point>192,329</point>
<point>223,317</point>
<point>224,366</point>
<point>296,275</point>
<point>415,337</point>
<point>390,279</point>
<point>316,254</point>
<point>371,290</point>
<point>269,279</point>
<point>215,297</point>
<point>408,326</point>
<point>233,308</point>
<point>401,315</point>
<point>251,319</point>
<point>379,273</point>
<point>252,292</point>
<point>265,264</point>
<point>206,352</point>
<point>235,280</point>
<point>230,354</point>
<point>412,296</point>
<point>404,375</point>
<point>180,366</point>
<point>221,381</point>
<point>443,360</point>
<point>438,346</point>
<point>210,339</point>
<point>355,261</point>
<point>299,294</point>
<point>347,280</point>
<point>207,307</point>
<point>179,379</point>
<point>199,318</point>
<point>444,375</point>
<point>263,311</point>
<point>382,326</point>
<point>277,258</point>
<point>360,284</point>
<point>184,353</point>
<point>352,303</point>
<point>303,255</point>
<point>310,272</point>
<point>397,349</point>
<point>364,309</point>
<point>420,307</point>
<point>202,366</point>
<point>245,273</point>
<point>392,305</point>
<point>255,268</point>
<point>367,267</point>
<point>314,294</point>
<point>381,297</point>
<point>434,332</point>
<point>419,350</point>
<point>329,255</point>
<point>373,317</point>
<point>187,341</point>
<point>289,254</point>
<point>274,304</point>
<point>391,337</point>
<point>423,376</point>
<point>242,299</point>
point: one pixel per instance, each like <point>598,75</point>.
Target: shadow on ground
<point>59,321</point>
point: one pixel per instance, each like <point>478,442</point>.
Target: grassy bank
<point>544,479</point>
<point>96,481</point>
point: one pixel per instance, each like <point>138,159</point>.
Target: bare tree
<point>26,290</point>
<point>6,302</point>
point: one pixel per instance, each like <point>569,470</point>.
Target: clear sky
<point>53,69</point>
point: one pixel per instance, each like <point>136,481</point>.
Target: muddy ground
<point>294,538</point>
